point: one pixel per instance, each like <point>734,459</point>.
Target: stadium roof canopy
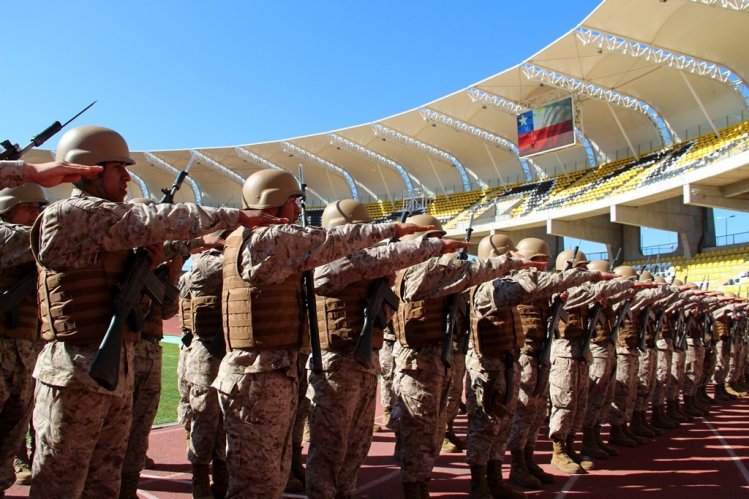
<point>643,74</point>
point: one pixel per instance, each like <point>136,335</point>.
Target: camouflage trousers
<point>601,379</point>
<point>81,438</point>
<point>646,378</point>
<point>184,412</point>
<point>207,437</point>
<point>491,405</point>
<point>625,391</point>
<point>422,384</point>
<point>387,371</point>
<point>16,401</point>
<point>737,362</point>
<point>530,410</point>
<point>259,412</point>
<point>568,389</point>
<point>304,404</point>
<point>709,365</point>
<point>146,394</point>
<point>694,367</point>
<point>678,361</point>
<point>664,351</point>
<point>722,358</point>
<point>343,409</point>
<point>455,395</point>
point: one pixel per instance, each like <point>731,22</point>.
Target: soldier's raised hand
<point>404,229</point>
<point>258,218</point>
<point>56,172</point>
<point>453,246</point>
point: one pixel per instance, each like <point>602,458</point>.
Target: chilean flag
<point>546,127</point>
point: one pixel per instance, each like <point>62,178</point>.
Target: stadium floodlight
<point>260,161</point>
<point>445,156</point>
<point>574,85</point>
<point>726,4</point>
<point>211,163</point>
<point>359,149</point>
<point>160,163</point>
<point>303,153</point>
<point>592,149</point>
<point>141,184</point>
<point>683,62</point>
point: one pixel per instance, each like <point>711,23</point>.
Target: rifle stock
<point>456,305</point>
<point>11,297</point>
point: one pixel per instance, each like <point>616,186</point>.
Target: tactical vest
<point>185,314</point>
<point>629,333</point>
<point>27,310</point>
<point>667,326</point>
<point>721,328</point>
<point>602,331</point>
<point>153,325</point>
<point>533,317</point>
<point>420,322</point>
<point>575,326</point>
<point>206,315</point>
<point>267,318</point>
<point>494,334</point>
<point>340,318</point>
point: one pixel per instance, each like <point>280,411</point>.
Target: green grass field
<point>167,412</point>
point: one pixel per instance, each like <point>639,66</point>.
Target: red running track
<point>707,458</point>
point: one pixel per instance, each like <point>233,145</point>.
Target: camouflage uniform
<point>184,411</point>
<point>724,323</point>
<point>11,173</point>
<point>648,362</point>
<point>601,370</point>
<point>387,371</point>
<point>343,395</point>
<point>17,350</point>
<point>258,388</point>
<point>81,427</point>
<point>207,437</point>
<point>422,381</point>
<point>497,334</point>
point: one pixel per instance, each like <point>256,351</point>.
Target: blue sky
<point>189,74</point>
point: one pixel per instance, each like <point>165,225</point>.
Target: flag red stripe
<point>559,134</point>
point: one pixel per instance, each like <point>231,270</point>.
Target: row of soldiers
<point>242,371</point>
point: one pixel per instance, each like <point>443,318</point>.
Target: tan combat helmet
<point>424,220</point>
<point>93,145</point>
<point>677,283</point>
<point>495,245</point>
<point>646,276</point>
<point>598,265</point>
<point>659,280</point>
<point>626,272</point>
<point>345,211</point>
<point>269,189</point>
<point>533,247</point>
<point>13,196</point>
<point>565,257</point>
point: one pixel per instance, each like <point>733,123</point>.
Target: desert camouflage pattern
<point>457,384</point>
<point>664,351</point>
<point>694,366</point>
<point>678,371</point>
<point>625,392</point>
<point>387,370</point>
<point>207,437</point>
<point>11,173</point>
<point>601,372</point>
<point>184,412</point>
<point>646,373</point>
<point>15,245</point>
<point>530,410</point>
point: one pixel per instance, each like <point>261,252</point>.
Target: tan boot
<point>620,438</point>
<point>201,482</point>
<point>659,419</point>
<point>448,447</point>
<point>129,485</point>
<point>611,451</point>
<point>638,427</point>
<point>590,446</point>
<point>23,471</point>
<point>672,411</point>
<point>533,468</point>
<point>479,486</point>
<point>387,412</point>
<point>731,391</point>
<point>561,460</point>
<point>519,474</point>
<point>220,479</point>
<point>497,486</point>
<point>584,461</point>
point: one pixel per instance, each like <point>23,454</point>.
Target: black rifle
<point>686,325</point>
<point>646,315</point>
<point>13,151</point>
<point>596,317</point>
<point>456,306</point>
<point>105,368</point>
<point>308,282</point>
<point>379,294</point>
<point>11,297</point>
<point>624,313</point>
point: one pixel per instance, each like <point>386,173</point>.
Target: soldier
<point>422,377</point>
<point>18,172</point>
<point>258,378</point>
<point>19,326</point>
<point>184,411</point>
<point>497,334</point>
<point>82,245</point>
<point>674,410</point>
<point>387,371</point>
<point>725,325</point>
<point>343,392</point>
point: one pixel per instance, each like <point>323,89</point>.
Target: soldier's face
<point>114,181</point>
<point>25,214</point>
<point>291,209</point>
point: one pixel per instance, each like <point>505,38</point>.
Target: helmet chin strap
<point>92,186</point>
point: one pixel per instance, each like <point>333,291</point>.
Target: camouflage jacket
<point>11,173</point>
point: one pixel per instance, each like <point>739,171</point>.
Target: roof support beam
<point>445,156</point>
<point>718,197</point>
<point>725,4</point>
<point>303,153</point>
<point>657,55</point>
<point>141,184</point>
<point>260,161</point>
<point>160,163</point>
<point>215,165</point>
<point>575,85</point>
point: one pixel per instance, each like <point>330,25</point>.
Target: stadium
<point>636,119</point>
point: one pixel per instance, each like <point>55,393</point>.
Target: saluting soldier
<point>19,326</point>
<point>184,411</point>
<point>17,172</point>
<point>263,314</point>
<point>83,245</point>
